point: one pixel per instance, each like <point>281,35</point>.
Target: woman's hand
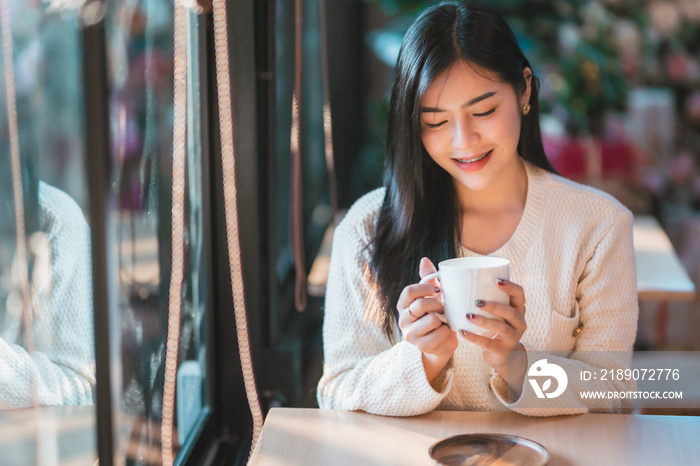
<point>419,306</point>
<point>507,334</point>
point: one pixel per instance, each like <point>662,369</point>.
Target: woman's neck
<point>506,195</point>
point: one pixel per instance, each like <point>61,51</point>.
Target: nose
<point>464,135</point>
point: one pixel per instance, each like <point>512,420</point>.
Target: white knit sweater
<point>61,369</point>
<point>572,253</point>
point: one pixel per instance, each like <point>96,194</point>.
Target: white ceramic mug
<point>466,279</point>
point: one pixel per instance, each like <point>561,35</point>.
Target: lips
<point>473,163</point>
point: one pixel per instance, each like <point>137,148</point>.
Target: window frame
<point>224,429</point>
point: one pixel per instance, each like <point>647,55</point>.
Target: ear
<point>527,75</point>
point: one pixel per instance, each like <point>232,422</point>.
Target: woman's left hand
<point>507,333</point>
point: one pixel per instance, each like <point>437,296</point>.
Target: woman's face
<point>470,125</point>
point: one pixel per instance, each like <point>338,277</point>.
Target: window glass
<point>46,319</point>
<point>141,55</point>
<point>315,195</point>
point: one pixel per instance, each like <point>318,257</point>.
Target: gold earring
<point>526,109</point>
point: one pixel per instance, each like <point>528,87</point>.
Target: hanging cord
<point>16,162</point>
<point>295,146</point>
<point>327,118</point>
<point>228,163</point>
<point>29,299</point>
<point>20,230</point>
<point>178,230</point>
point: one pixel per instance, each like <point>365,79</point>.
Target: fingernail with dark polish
<point>501,282</point>
<point>437,290</point>
<point>479,303</point>
<point>470,316</point>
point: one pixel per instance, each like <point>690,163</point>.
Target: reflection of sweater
<point>572,253</point>
<point>63,361</point>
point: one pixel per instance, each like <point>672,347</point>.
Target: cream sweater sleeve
<point>608,309</point>
<point>61,369</point>
<point>362,369</point>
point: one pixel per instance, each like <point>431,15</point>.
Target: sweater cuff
<point>443,382</point>
<point>500,386</point>
<point>435,392</point>
<point>528,397</point>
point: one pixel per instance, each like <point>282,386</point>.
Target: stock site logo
<point>543,369</point>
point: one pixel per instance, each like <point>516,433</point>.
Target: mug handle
<point>427,278</point>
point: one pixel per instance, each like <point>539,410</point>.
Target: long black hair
<point>420,213</point>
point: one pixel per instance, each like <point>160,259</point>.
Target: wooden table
<point>660,274</point>
<point>67,436</point>
<point>64,435</point>
<point>325,437</point>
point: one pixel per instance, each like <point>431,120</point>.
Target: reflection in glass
<point>61,362</point>
<point>316,208</point>
<point>140,51</point>
<point>46,316</point>
<point>51,363</point>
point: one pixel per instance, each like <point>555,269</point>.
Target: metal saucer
<point>488,449</point>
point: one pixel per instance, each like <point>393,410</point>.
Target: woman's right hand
<point>419,306</point>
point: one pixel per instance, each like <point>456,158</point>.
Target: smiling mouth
<point>475,159</point>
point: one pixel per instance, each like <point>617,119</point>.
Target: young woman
<point>466,175</point>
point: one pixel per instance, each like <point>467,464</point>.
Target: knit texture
<point>62,365</point>
<point>572,253</point>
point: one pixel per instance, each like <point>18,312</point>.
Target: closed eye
<point>485,114</point>
<point>436,125</point>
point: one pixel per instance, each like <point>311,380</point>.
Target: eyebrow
<point>468,104</point>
